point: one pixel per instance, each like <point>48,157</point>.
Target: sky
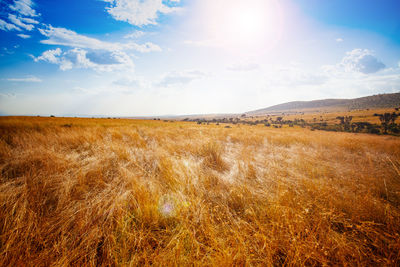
<point>176,57</point>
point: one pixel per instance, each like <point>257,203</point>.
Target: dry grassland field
<point>97,192</point>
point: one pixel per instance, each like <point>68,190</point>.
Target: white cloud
<point>131,84</point>
<point>332,81</point>
<point>26,79</point>
<point>361,60</point>
<point>134,35</point>
<point>102,61</point>
<point>55,57</point>
<point>29,20</point>
<point>65,37</point>
<point>291,83</point>
<point>244,67</point>
<point>89,53</point>
<point>139,12</point>
<point>128,82</point>
<point>50,56</point>
<point>182,77</point>
<point>8,26</point>
<point>24,7</point>
<point>19,23</point>
<point>143,48</point>
<point>24,36</point>
<point>339,40</point>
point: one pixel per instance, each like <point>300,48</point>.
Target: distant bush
<point>345,121</point>
<point>374,131</point>
<point>394,128</point>
<point>387,119</point>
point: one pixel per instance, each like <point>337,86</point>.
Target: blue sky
<point>154,57</point>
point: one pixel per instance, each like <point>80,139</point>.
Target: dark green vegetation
<point>387,123</point>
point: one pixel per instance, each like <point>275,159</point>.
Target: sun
<point>247,22</point>
<point>244,22</point>
<point>252,21</point>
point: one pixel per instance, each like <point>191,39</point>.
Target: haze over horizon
<point>154,57</point>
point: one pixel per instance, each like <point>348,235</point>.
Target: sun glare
<point>248,22</point>
<point>245,23</point>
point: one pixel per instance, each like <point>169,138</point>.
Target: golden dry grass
<point>126,192</point>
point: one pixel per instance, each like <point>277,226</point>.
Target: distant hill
<point>374,101</point>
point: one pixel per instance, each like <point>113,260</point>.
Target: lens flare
<point>167,206</point>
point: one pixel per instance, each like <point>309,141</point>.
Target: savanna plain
<point>120,192</point>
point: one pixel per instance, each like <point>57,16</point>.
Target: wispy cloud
<point>19,23</point>
<point>24,36</point>
<point>131,84</point>
<point>17,18</point>
<point>65,37</point>
<point>339,40</point>
<point>25,79</point>
<point>5,26</point>
<point>331,81</point>
<point>293,76</point>
<point>102,61</point>
<point>139,12</point>
<point>29,20</point>
<point>89,53</point>
<point>134,35</point>
<point>24,7</point>
<point>181,77</point>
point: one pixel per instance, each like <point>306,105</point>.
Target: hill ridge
<point>375,101</point>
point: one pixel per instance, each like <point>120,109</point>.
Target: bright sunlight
<point>244,23</point>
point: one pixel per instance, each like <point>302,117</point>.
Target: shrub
<point>374,130</point>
